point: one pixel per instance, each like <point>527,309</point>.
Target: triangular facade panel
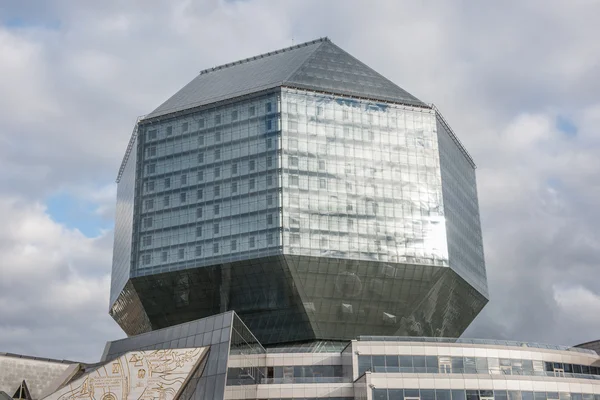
<point>238,79</point>
<point>331,69</point>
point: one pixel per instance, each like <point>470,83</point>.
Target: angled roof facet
<point>331,69</point>
<point>319,65</point>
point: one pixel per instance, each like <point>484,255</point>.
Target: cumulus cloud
<point>75,76</point>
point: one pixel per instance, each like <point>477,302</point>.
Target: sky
<point>519,82</point>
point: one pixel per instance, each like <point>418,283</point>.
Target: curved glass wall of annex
<point>361,181</point>
<point>473,365</point>
<point>476,394</point>
<point>209,187</point>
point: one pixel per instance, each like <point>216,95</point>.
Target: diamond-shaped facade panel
<point>313,215</point>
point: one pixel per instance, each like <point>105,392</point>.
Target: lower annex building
<point>296,226</point>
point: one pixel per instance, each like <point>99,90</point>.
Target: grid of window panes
<point>361,180</point>
<point>209,187</point>
<point>459,186</point>
<point>476,394</point>
<point>473,365</point>
<point>123,228</point>
<point>287,374</point>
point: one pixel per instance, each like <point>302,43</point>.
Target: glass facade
<point>361,181</point>
<point>477,394</point>
<point>208,188</point>
<point>461,209</point>
<point>313,215</point>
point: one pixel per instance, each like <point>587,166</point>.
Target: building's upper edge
<point>317,65</point>
<point>453,136</point>
<point>488,342</point>
<point>270,53</point>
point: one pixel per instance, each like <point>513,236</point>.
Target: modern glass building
<point>296,226</point>
<point>304,191</point>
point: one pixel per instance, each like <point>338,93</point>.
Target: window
<point>201,123</point>
<point>183,197</point>
<point>348,186</point>
<point>167,183</point>
<point>251,111</point>
<point>293,161</point>
<point>150,186</point>
<point>199,212</point>
<point>292,125</point>
<point>216,209</point>
<point>233,245</point>
<point>269,219</point>
<point>269,143</point>
<point>294,238</point>
<point>152,151</point>
<point>323,243</point>
<point>234,168</point>
<point>200,158</point>
<point>201,140</point>
<point>151,168</point>
<point>200,176</point>
<point>152,134</point>
<point>270,180</point>
<point>169,130</point>
<point>217,172</point>
<point>292,107</point>
<point>350,224</point>
<point>199,194</point>
<point>294,180</point>
<point>217,119</point>
<point>148,222</point>
<point>270,199</point>
<point>198,251</point>
<point>184,127</point>
<point>349,207</point>
<point>183,179</point>
<point>346,131</point>
<point>269,238</point>
<point>234,115</point>
<point>319,110</point>
<point>251,165</point>
<point>149,204</point>
<point>217,190</point>
<point>269,124</point>
<point>251,183</point>
<point>147,241</point>
<point>199,231</point>
<point>322,183</point>
<point>215,248</point>
<point>217,154</point>
<point>181,254</point>
<point>215,228</point>
<point>293,143</point>
<point>321,164</point>
<point>146,259</point>
<point>268,107</point>
<point>163,256</point>
<point>166,201</point>
<point>233,187</point>
<point>252,241</point>
<point>217,136</point>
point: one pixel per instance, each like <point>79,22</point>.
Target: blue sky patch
<point>76,213</point>
<point>566,126</point>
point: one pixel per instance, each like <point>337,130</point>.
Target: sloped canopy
<point>318,65</point>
